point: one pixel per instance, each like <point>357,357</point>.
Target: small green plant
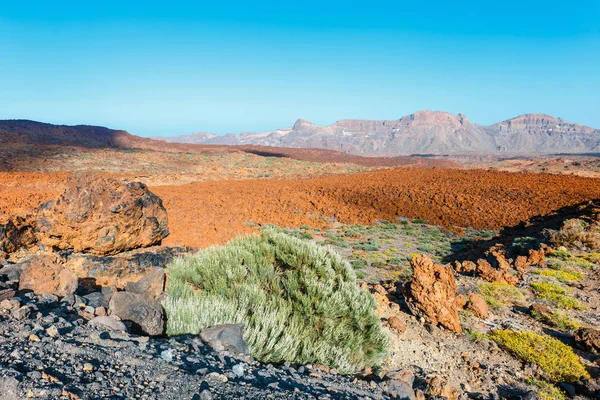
<point>556,294</point>
<point>500,295</point>
<point>298,301</point>
<point>564,276</point>
<point>555,358</point>
<point>547,391</point>
<point>557,319</point>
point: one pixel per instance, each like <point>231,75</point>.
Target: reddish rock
<point>497,258</point>
<point>478,306</point>
<point>43,274</point>
<point>461,301</point>
<point>521,264</point>
<point>396,325</point>
<point>466,267</point>
<point>490,274</point>
<point>432,293</point>
<point>102,216</point>
<point>438,386</point>
<point>536,258</point>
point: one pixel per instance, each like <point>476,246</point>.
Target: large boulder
<point>44,274</point>
<point>145,314</point>
<point>102,216</point>
<point>432,293</point>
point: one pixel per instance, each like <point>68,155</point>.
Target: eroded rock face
<point>145,314</point>
<point>588,339</point>
<point>432,293</point>
<point>102,216</point>
<point>121,269</point>
<point>44,274</point>
<point>16,232</point>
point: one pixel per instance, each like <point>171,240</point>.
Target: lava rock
<point>102,216</point>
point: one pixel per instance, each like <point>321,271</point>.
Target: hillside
<point>424,132</point>
<point>24,143</point>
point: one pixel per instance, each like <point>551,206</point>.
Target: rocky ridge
<point>424,132</point>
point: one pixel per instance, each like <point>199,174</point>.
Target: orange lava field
<point>205,213</point>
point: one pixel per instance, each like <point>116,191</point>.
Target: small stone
<point>52,331</point>
<point>87,367</point>
<point>22,313</point>
<point>100,311</point>
<point>238,370</point>
<point>396,325</point>
<point>167,355</point>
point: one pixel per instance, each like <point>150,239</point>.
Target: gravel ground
<point>48,351</point>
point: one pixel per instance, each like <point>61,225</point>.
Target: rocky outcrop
<point>43,274</point>
<point>102,216</point>
<point>432,293</point>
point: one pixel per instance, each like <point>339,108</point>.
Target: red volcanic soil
<point>213,212</point>
<point>205,213</point>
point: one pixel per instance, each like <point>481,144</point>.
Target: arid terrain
<point>510,245</point>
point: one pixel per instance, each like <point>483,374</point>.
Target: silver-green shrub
<point>298,301</point>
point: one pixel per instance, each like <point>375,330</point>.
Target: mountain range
<point>424,132</point>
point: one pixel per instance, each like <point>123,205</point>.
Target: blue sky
<point>174,68</point>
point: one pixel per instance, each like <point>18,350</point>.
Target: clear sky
<point>172,68</point>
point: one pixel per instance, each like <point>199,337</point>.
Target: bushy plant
<point>298,301</point>
<point>499,295</point>
<point>576,233</point>
<point>555,294</point>
<point>555,358</point>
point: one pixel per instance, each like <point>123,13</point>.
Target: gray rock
<point>238,370</point>
<point>96,299</point>
<point>145,315</point>
<point>167,355</point>
<point>108,322</point>
<point>225,337</point>
<point>400,390</point>
<point>22,313</point>
<point>9,389</point>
